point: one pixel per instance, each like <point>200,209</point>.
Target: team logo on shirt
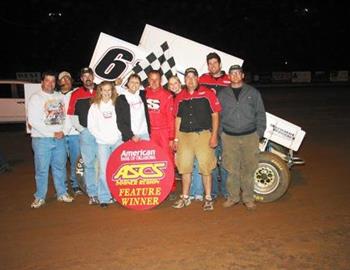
<point>153,104</point>
<point>54,112</point>
<point>107,114</point>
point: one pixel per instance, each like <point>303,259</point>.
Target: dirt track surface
<point>309,228</point>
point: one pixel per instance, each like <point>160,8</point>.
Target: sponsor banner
<point>281,76</point>
<point>114,58</point>
<point>320,76</point>
<point>339,76</point>
<point>34,77</point>
<point>187,53</point>
<point>140,175</point>
<point>264,77</point>
<point>283,132</point>
<point>301,76</point>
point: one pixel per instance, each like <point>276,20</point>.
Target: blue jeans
<point>104,152</point>
<point>49,152</point>
<point>88,148</point>
<point>196,183</point>
<point>73,152</point>
<point>219,176</point>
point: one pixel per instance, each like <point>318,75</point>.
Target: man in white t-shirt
<point>46,115</point>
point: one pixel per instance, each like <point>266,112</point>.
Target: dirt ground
<point>309,228</point>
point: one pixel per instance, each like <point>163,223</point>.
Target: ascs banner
<point>140,175</point>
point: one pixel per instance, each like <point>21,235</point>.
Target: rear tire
<point>272,178</point>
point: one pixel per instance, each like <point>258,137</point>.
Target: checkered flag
<point>161,60</point>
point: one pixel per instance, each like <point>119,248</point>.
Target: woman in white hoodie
<point>102,123</point>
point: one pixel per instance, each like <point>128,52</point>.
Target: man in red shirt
<point>197,121</point>
<point>78,109</point>
<point>216,79</point>
<point>160,105</point>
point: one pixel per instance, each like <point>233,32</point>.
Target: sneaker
<point>65,198</point>
<point>37,203</point>
<point>111,201</point>
<point>104,205</point>
<point>182,202</point>
<point>77,191</point>
<point>93,200</point>
<point>208,205</point>
<point>229,202</point>
<point>250,205</point>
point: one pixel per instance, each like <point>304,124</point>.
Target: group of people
<point>210,127</point>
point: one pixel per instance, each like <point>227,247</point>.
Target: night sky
<point>268,35</point>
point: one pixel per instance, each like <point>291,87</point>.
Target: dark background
<point>268,35</point>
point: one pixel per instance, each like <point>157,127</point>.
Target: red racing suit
<point>160,103</point>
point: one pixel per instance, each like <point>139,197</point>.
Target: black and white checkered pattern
<point>161,60</point>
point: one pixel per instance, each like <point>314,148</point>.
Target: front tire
<point>271,179</point>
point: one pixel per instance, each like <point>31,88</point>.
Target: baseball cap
<point>64,74</point>
<point>191,70</point>
<point>86,70</point>
<point>235,67</point>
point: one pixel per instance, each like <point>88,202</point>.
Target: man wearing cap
<point>78,109</point>
<point>196,129</point>
<point>243,122</point>
<point>216,79</point>
<point>71,137</point>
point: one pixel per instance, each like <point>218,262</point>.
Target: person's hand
<point>171,144</point>
<point>58,135</point>
<point>118,81</point>
<point>213,142</point>
<point>135,138</point>
<point>174,144</point>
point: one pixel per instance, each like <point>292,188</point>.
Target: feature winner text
<point>140,195</point>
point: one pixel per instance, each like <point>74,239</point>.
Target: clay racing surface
<point>309,228</point>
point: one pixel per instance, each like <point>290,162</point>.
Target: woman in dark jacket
<point>132,113</point>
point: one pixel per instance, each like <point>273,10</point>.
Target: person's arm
<point>260,116</point>
<point>122,110</point>
<point>215,118</point>
<point>170,120</point>
<point>68,126</point>
<point>75,122</point>
<point>93,119</point>
<point>177,132</point>
<point>213,142</point>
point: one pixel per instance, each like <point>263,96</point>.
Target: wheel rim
<point>266,179</point>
